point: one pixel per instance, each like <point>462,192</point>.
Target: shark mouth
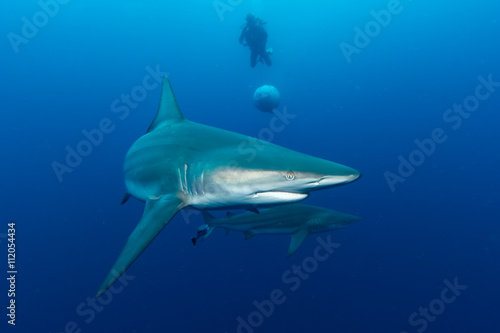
<point>276,197</point>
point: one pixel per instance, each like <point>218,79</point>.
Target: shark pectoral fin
<point>297,239</point>
<point>156,215</point>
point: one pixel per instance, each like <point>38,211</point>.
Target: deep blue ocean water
<point>362,99</point>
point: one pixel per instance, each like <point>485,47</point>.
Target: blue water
<point>366,109</point>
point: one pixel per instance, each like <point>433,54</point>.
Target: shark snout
<point>334,180</point>
<point>330,174</point>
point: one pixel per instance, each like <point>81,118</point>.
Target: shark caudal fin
<point>157,214</point>
<point>297,239</point>
<point>169,109</point>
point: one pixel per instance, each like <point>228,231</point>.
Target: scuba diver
<point>255,37</point>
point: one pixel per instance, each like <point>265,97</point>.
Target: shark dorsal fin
<point>168,109</point>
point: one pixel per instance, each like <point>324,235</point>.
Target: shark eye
<point>290,176</point>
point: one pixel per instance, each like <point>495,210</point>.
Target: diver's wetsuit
<point>256,37</point>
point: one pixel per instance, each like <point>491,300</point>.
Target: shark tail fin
<point>169,109</point>
<point>156,215</point>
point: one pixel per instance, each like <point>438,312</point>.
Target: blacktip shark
<point>179,163</point>
<point>295,220</point>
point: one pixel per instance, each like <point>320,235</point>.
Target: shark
<point>180,164</point>
<point>296,220</point>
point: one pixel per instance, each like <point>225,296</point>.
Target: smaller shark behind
<point>296,220</point>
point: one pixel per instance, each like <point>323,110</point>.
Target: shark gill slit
<point>188,191</point>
